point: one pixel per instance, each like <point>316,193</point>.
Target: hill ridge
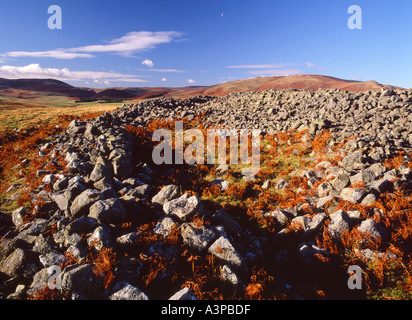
<point>305,81</point>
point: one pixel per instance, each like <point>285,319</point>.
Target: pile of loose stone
<point>110,180</point>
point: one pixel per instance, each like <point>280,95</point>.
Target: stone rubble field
<point>120,227</point>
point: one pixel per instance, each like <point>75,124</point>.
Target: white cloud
<point>164,80</point>
<point>148,63</point>
<point>191,81</point>
<point>127,45</point>
<point>133,42</point>
<point>310,65</point>
<point>57,54</point>
<point>35,71</point>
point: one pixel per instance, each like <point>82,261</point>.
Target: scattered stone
<point>308,252</point>
<point>352,161</point>
<point>122,163</point>
<point>229,276</point>
<point>128,239</point>
<point>108,211</point>
<point>324,189</point>
<point>40,280</point>
<point>83,224</point>
<point>354,195</point>
<point>164,226</point>
<point>18,215</point>
<point>183,207</point>
<point>100,172</point>
<point>81,282</point>
<point>223,185</point>
<point>109,181</point>
<point>167,193</point>
<point>281,184</point>
<point>227,221</point>
<point>21,262</point>
<point>339,222</point>
<point>78,251</point>
<point>374,229</point>
<point>222,169</point>
<point>224,250</point>
<point>341,182</point>
<point>142,191</point>
<point>369,199</point>
<point>197,237</point>
<point>83,202</point>
<point>125,291</point>
<point>381,186</point>
<point>100,238</point>
<point>184,294</point>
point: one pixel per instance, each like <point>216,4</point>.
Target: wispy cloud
<point>37,72</point>
<point>310,65</point>
<point>133,42</point>
<point>276,72</point>
<point>261,66</point>
<point>191,81</point>
<point>276,69</point>
<point>127,45</point>
<point>57,54</point>
<point>163,70</point>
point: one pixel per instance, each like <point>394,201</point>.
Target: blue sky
<point>180,43</point>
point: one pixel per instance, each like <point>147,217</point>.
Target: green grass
<point>393,286</point>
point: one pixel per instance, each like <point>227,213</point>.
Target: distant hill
<point>52,86</point>
<point>29,88</point>
<point>311,82</point>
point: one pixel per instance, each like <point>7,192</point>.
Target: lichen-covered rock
<point>374,229</point>
<point>21,262</point>
<point>167,193</point>
<point>107,211</point>
<point>83,202</point>
<point>104,198</point>
<point>354,195</point>
<point>224,250</point>
<point>125,291</point>
<point>101,238</point>
<point>81,282</point>
<point>197,237</point>
<point>164,226</point>
<point>184,294</point>
<point>339,223</point>
<point>18,215</point>
<point>184,207</point>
